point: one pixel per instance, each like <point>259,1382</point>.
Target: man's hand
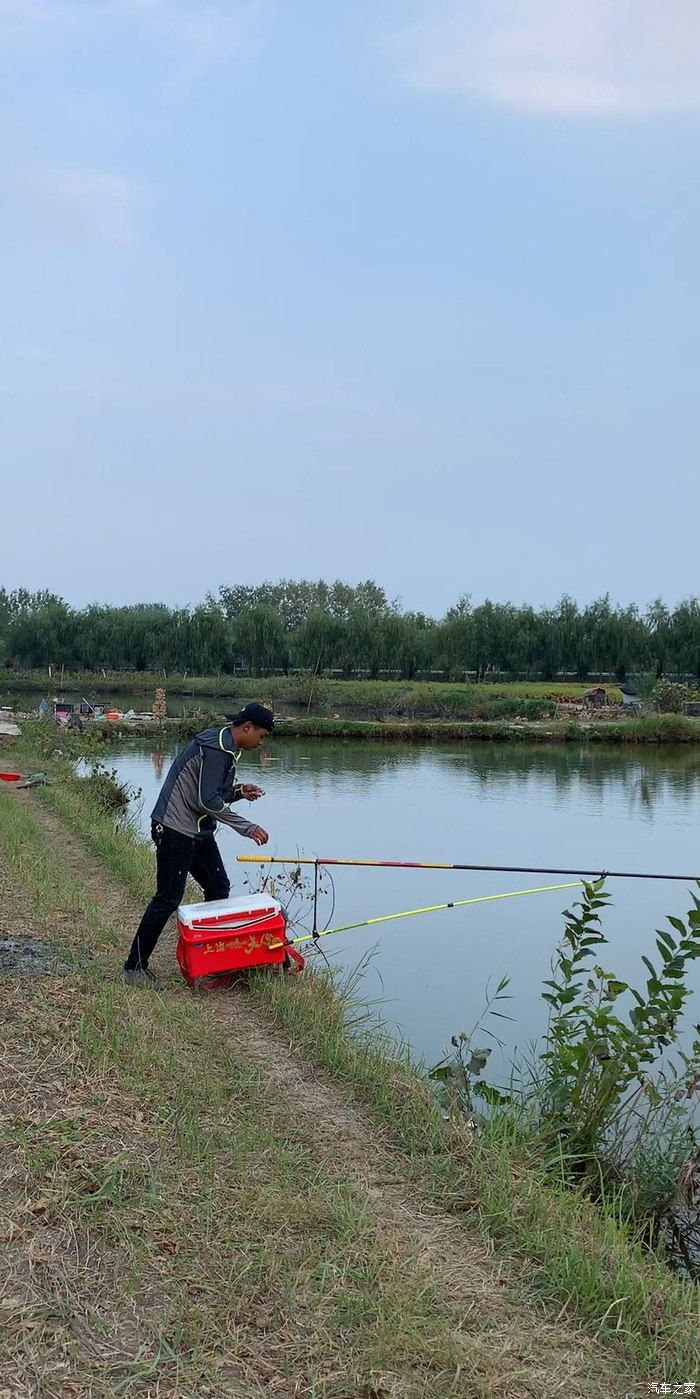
<point>250,792</point>
<point>258,835</point>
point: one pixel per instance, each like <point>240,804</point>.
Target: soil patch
<point>30,957</point>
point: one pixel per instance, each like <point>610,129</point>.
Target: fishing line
<point>330,916</point>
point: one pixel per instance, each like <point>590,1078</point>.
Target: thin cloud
<point>88,204</point>
<point>564,57</point>
<point>193,35</point>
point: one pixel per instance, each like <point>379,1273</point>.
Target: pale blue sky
<point>395,290</point>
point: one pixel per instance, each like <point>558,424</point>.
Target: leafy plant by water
<point>608,1099</point>
<point>105,785</point>
<point>459,1072</point>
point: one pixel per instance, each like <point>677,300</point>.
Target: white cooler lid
<point>218,908</point>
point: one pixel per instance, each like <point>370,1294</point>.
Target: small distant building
<point>594,698</point>
<point>630,696</point>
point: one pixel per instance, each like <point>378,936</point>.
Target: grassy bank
<point>574,1253</point>
<point>371,699</point>
<point>660,729</point>
<point>375,711</point>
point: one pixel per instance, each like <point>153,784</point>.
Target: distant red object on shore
<point>10,776</point>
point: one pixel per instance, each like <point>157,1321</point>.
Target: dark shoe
<point>143,977</point>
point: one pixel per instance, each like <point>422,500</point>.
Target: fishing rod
<point>433,908</point>
<point>438,865</point>
<point>319,863</point>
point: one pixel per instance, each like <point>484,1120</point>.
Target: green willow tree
<point>336,627</point>
<point>259,640</point>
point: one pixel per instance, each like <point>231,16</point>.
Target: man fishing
<point>196,794</point>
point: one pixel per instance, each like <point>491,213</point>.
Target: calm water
<point>490,804</point>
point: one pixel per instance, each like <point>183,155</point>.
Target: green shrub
<point>607,1099</point>
<point>669,697</point>
<point>105,786</point>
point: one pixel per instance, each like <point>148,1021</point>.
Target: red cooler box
<point>227,935</point>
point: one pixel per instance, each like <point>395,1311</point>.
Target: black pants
<point>176,857</point>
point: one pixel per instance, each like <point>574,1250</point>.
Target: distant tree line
<point>333,627</point>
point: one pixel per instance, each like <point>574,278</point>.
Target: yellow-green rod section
<point>434,908</point>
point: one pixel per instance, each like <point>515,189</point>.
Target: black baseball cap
<point>254,714</point>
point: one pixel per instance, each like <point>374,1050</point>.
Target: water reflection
<point>159,760</point>
<point>645,778</point>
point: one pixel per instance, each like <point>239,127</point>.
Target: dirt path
<point>524,1352</point>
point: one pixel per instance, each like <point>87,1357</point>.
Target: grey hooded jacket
<point>199,787</point>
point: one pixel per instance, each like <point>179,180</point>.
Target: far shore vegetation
<point>663,730</point>
<point>345,632</point>
<point>346,662</point>
<point>373,711</point>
